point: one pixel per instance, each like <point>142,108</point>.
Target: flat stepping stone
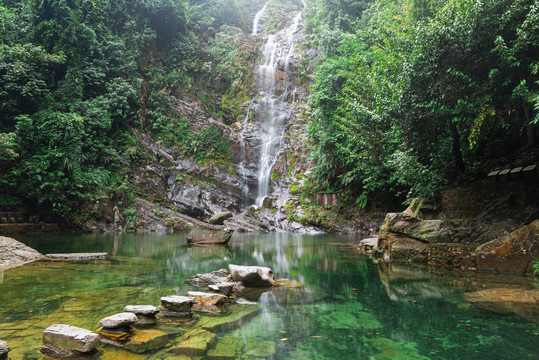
<point>61,340</point>
<point>177,303</point>
<point>118,320</point>
<point>146,310</point>
<point>78,256</point>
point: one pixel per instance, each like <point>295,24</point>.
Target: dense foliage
<point>77,76</point>
<point>414,94</point>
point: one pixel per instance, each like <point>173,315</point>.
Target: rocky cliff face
<point>497,231</point>
<point>182,185</point>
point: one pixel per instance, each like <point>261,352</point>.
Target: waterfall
<point>257,19</point>
<point>273,109</point>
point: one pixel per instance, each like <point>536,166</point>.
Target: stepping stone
<point>61,340</point>
<point>146,310</point>
<point>120,320</point>
<point>145,313</point>
<point>174,305</point>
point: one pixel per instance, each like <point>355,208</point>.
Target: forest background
<point>409,96</point>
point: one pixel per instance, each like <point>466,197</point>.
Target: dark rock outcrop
<point>513,253</point>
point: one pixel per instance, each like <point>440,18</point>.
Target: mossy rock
<point>194,343</point>
<point>387,349</point>
<point>235,316</point>
<point>228,347</point>
<point>259,349</point>
<point>347,320</point>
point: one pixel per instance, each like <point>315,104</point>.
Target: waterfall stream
<point>271,105</point>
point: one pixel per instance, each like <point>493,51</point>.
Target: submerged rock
<point>255,276</point>
<point>259,349</point>
<point>228,347</point>
<point>61,341</point>
<point>388,349</point>
<point>145,340</point>
<point>194,343</point>
<point>523,302</point>
<point>235,316</point>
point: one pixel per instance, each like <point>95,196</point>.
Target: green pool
<point>342,305</point>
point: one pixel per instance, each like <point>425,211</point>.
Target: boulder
<point>61,340</point>
<point>146,340</point>
<point>219,219</point>
<point>13,252</point>
<point>207,302</point>
<point>4,350</point>
<point>524,302</point>
<point>225,287</point>
<point>120,320</point>
<point>424,230</point>
<point>200,235</point>
<point>252,276</point>
<point>213,278</point>
<point>513,253</point>
<point>175,305</point>
<point>366,245</point>
<point>402,247</point>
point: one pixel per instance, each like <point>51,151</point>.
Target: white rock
<point>146,310</point>
<point>63,338</point>
<point>252,275</point>
<point>118,320</point>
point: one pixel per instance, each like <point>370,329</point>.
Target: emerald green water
<point>347,307</point>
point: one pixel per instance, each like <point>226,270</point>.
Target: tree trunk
<point>459,162</point>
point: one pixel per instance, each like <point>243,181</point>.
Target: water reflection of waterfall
<point>271,107</point>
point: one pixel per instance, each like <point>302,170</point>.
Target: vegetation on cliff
<point>76,76</point>
<point>415,94</point>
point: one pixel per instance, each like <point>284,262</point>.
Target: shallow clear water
<point>347,307</point>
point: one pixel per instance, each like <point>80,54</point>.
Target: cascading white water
<point>257,20</point>
<point>274,110</point>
